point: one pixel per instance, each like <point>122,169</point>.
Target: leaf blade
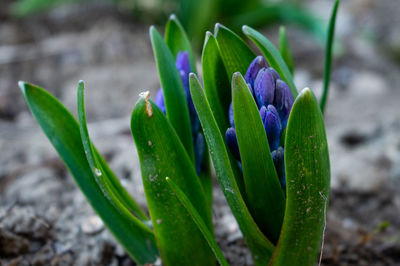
<point>177,40</point>
<point>162,155</point>
<point>218,91</point>
<point>308,179</point>
<point>328,55</point>
<point>284,49</point>
<point>63,132</point>
<point>106,180</point>
<point>235,53</point>
<point>199,222</point>
<point>259,172</point>
<point>259,245</point>
<point>174,96</point>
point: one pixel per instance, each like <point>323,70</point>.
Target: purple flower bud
<point>231,141</point>
<point>264,88</point>
<point>255,66</point>
<point>283,101</point>
<point>272,125</point>
<point>274,73</point>
<point>231,120</point>
<point>279,162</point>
<point>182,63</point>
<point>159,101</point>
<point>199,147</point>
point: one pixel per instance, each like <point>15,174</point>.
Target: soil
<point>44,218</point>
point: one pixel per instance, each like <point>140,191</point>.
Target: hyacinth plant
<point>266,141</point>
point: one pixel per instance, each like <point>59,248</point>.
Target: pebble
<point>92,225</point>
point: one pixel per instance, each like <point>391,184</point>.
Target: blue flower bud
<point>255,66</point>
<point>231,120</point>
<point>231,141</point>
<point>279,162</point>
<point>283,101</point>
<point>272,125</point>
<point>274,73</point>
<point>159,101</point>
<point>182,63</point>
<point>199,147</point>
<point>264,88</point>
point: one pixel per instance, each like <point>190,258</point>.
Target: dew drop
<point>97,171</point>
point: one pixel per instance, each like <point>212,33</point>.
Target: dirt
<point>45,219</point>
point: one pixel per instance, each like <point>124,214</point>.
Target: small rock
<point>92,225</point>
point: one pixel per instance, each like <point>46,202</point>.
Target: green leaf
<point>307,181</point>
<point>328,55</point>
<point>162,155</point>
<point>258,244</point>
<point>216,82</point>
<point>174,95</point>
<point>272,55</point>
<point>63,132</point>
<point>103,175</point>
<point>235,53</point>
<point>177,40</point>
<point>260,177</point>
<point>218,91</point>
<point>199,222</point>
<point>284,49</point>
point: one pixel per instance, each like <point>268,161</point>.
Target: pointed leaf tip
<point>172,17</point>
<point>21,85</point>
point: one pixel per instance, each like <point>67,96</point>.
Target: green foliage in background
<point>197,16</point>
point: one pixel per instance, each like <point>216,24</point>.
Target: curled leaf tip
<point>217,27</point>
<point>236,75</point>
<point>145,95</point>
<point>244,28</point>
<point>192,75</point>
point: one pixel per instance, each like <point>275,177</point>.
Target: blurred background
<point>45,219</point>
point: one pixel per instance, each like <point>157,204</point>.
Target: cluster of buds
<point>274,101</point>
<point>182,64</point>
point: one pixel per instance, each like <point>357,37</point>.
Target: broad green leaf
<point>162,155</point>
<point>199,222</point>
<point>284,49</point>
<point>272,55</point>
<point>174,95</point>
<point>63,132</point>
<point>328,55</point>
<point>218,91</point>
<point>216,82</point>
<point>177,40</point>
<point>307,181</point>
<point>264,193</point>
<point>103,175</point>
<point>258,244</point>
<point>235,53</point>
